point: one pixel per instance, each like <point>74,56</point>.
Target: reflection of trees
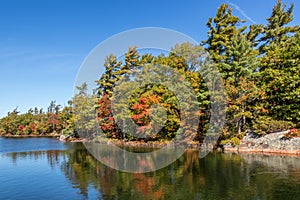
<point>77,170</point>
<point>214,177</point>
<point>53,156</point>
<point>217,176</point>
<point>84,171</point>
<point>285,168</point>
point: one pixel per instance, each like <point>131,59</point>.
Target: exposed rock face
<point>271,143</point>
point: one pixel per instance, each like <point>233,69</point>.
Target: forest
<point>259,66</point>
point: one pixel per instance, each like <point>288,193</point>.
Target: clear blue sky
<point>43,43</point>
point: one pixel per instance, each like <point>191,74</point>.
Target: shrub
<point>233,141</point>
<point>265,125</point>
<point>224,142</point>
<point>292,133</point>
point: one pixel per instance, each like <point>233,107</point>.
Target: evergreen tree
<point>107,81</point>
<point>242,92</point>
<point>280,64</point>
<point>234,55</point>
<point>84,112</point>
<point>222,29</point>
<point>277,29</point>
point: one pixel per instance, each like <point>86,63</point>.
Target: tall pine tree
<point>280,64</point>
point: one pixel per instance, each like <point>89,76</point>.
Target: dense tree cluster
<point>259,65</point>
<point>38,122</point>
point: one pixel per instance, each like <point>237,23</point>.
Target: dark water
<point>44,168</point>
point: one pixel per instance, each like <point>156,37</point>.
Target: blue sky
<point>43,43</point>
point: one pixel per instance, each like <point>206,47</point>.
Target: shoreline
<point>30,136</point>
<point>160,144</point>
<point>273,143</point>
<point>261,151</point>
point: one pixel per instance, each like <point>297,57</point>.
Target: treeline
<point>56,120</point>
<point>259,65</point>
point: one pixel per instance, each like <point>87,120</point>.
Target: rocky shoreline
<point>274,143</point>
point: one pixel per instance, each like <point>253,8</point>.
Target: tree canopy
<point>259,66</point>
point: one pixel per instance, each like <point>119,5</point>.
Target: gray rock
<point>62,138</point>
<point>275,141</point>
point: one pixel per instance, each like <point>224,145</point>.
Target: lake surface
<point>44,168</point>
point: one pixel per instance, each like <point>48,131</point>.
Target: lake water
<point>44,168</point>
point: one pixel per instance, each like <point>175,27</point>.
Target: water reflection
<point>217,176</point>
<point>136,160</point>
<point>54,157</point>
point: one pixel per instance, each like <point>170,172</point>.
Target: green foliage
<point>234,141</point>
<point>260,82</point>
<point>84,112</point>
<point>222,30</point>
<point>33,122</point>
<point>264,125</point>
<point>281,81</point>
<point>236,60</point>
<point>140,105</point>
<point>259,67</point>
<point>279,45</point>
<point>111,75</point>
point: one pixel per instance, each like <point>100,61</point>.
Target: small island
<point>205,107</point>
<point>259,75</point>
